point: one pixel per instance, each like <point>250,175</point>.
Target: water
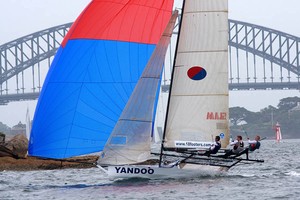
<point>277,178</point>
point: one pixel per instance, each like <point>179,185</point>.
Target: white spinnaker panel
<point>198,109</point>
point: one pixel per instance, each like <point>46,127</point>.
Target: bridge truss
<point>259,58</point>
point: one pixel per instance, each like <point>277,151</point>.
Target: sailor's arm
<point>252,141</point>
<point>233,143</point>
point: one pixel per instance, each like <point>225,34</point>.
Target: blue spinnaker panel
<point>85,101</point>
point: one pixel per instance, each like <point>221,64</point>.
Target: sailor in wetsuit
<point>254,144</point>
<point>238,147</point>
<point>214,147</point>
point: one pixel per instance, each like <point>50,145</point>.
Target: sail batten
<point>206,51</point>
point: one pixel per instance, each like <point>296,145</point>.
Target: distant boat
<point>278,132</point>
<point>28,124</point>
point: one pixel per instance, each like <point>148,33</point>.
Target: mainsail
<point>131,138</point>
<point>198,103</point>
<point>93,75</point>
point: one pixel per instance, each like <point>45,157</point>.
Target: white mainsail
<point>198,106</point>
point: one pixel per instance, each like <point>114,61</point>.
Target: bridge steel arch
<point>19,55</point>
<point>259,58</point>
<point>274,58</point>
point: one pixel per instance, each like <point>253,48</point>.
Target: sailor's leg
<point>228,154</point>
<point>207,153</point>
<point>247,153</point>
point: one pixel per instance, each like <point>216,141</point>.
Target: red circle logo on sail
<point>196,73</point>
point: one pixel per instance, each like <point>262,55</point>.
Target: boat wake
<point>293,173</point>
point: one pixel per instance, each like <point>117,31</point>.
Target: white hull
<point>156,172</point>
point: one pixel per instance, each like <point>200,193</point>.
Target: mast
<point>171,83</point>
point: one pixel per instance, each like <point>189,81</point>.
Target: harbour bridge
<point>260,58</point>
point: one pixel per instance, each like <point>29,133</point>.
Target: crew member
<point>254,144</point>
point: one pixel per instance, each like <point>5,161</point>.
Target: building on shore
<point>18,129</point>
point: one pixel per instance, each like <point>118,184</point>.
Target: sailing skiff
<point>102,90</point>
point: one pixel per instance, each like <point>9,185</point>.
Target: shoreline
<point>33,163</point>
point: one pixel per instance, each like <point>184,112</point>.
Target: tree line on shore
<point>248,124</point>
<point>287,114</point>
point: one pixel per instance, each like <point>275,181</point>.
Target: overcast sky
<point>22,17</point>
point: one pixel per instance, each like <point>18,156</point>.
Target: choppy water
<point>277,178</point>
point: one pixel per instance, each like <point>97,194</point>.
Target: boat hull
<point>156,172</point>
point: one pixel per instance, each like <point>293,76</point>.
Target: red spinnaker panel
<point>122,20</point>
